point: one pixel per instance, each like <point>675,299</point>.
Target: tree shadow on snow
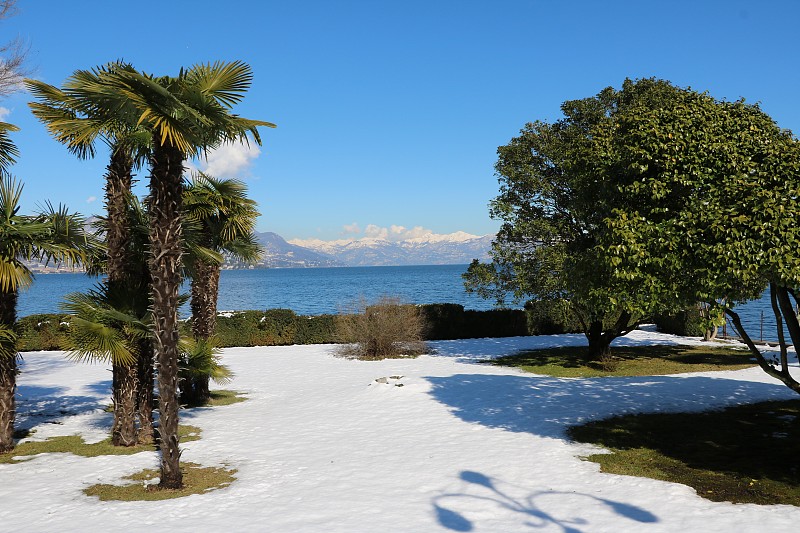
<point>547,406</point>
<point>46,405</point>
<point>483,495</point>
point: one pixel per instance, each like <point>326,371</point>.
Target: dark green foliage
<point>278,326</point>
<point>452,321</point>
<point>558,188</point>
<point>551,317</point>
<point>443,321</point>
<point>315,329</point>
<point>273,327</point>
<point>687,323</point>
<point>41,332</point>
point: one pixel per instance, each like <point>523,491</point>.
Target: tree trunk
<point>125,376</point>
<point>781,306</point>
<point>205,287</point>
<point>599,342</point>
<point>8,374</point>
<point>205,291</point>
<point>144,399</point>
<point>118,190</point>
<point>600,339</point>
<point>165,271</point>
<point>124,428</point>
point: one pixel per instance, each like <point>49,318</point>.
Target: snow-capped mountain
<point>279,253</point>
<point>429,249</point>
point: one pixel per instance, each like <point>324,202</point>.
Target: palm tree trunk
<point>205,291</point>
<point>8,374</point>
<point>144,400</point>
<point>118,189</point>
<point>124,429</point>
<point>165,271</point>
<point>205,287</point>
<point>125,380</point>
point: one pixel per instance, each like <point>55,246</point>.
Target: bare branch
<point>13,55</point>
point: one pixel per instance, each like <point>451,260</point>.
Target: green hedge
<point>687,323</point>
<point>283,327</point>
<point>551,317</point>
<point>41,332</point>
<point>274,327</point>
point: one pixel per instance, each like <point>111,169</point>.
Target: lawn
<point>743,454</point>
<point>569,362</point>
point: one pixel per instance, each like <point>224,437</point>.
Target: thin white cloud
<point>376,232</point>
<point>4,112</point>
<point>396,233</point>
<point>229,160</point>
<point>91,199</point>
<point>351,229</point>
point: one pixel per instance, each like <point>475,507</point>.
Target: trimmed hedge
<point>551,317</point>
<point>276,327</point>
<point>687,323</point>
<point>41,332</point>
<point>452,321</point>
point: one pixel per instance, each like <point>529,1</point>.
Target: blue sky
<point>389,113</point>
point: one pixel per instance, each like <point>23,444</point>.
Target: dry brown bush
<point>386,329</point>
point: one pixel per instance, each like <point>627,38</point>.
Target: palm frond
<point>8,342</point>
<point>200,358</point>
<point>8,150</point>
<point>226,83</point>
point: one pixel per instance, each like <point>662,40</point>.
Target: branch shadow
<point>47,405</point>
<point>484,491</point>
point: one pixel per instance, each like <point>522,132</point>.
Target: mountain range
<point>431,249</point>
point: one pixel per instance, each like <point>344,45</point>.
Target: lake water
<point>313,291</point>
<point>306,291</point>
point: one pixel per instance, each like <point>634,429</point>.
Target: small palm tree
<point>186,115</point>
<point>225,220</point>
<point>111,324</point>
<point>52,235</point>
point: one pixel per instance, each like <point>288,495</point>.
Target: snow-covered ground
<point>321,446</point>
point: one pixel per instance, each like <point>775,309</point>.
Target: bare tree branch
<point>12,55</point>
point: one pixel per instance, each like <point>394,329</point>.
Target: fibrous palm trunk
<point>165,271</point>
<point>118,188</point>
<point>8,374</point>
<point>126,377</point>
<point>205,290</point>
<point>144,399</point>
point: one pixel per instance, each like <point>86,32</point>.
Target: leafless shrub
<point>386,329</point>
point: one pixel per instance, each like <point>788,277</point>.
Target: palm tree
<point>52,235</point>
<point>225,219</point>
<point>187,115</point>
<point>76,117</point>
<point>107,327</point>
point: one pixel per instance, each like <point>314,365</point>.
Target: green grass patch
<point>744,454</point>
<point>220,398</point>
<point>75,445</point>
<point>144,487</point>
<point>570,362</point>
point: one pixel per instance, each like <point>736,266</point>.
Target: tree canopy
<point>557,188</point>
<point>709,199</point>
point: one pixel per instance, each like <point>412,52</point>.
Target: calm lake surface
<point>314,291</point>
<point>306,291</point>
